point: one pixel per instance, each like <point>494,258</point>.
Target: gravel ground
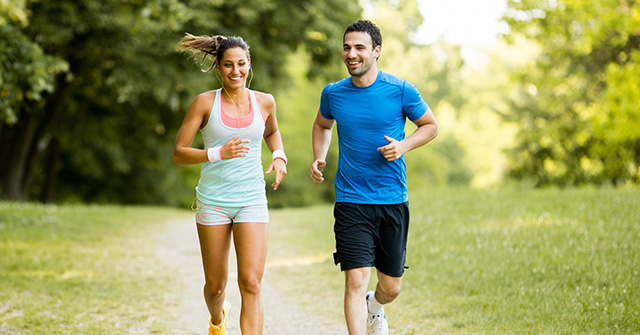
<point>178,247</point>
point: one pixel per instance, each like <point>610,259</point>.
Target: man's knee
<point>388,288</point>
<point>392,291</point>
<point>357,279</point>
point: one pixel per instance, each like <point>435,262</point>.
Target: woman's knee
<point>214,289</point>
<point>250,284</point>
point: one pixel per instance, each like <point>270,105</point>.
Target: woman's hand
<point>234,148</point>
<point>281,170</point>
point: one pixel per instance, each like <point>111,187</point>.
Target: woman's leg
<point>250,240</point>
<point>214,246</point>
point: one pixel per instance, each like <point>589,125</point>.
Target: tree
<point>577,105</point>
<point>93,92</point>
<point>27,75</point>
<point>438,163</point>
<point>436,70</point>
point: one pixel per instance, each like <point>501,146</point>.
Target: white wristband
<point>213,154</point>
<point>279,154</point>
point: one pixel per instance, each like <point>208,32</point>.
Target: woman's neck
<point>237,93</point>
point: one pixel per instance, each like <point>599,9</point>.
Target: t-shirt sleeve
<point>412,103</point>
<point>325,111</point>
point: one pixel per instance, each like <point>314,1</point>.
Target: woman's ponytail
<point>205,46</point>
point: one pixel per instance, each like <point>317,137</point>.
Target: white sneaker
<point>377,323</point>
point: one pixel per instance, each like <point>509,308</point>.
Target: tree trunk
<point>51,171</point>
<point>28,139</point>
<point>38,146</point>
<point>21,139</point>
<point>54,107</point>
<point>5,145</point>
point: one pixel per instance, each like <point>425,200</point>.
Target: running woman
<point>231,199</point>
<point>371,211</point>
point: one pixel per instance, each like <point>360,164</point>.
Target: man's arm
<point>321,140</point>
<point>427,131</point>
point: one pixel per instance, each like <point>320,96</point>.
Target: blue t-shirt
<point>363,116</point>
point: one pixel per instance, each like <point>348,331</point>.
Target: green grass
<point>502,261</point>
<point>81,270</point>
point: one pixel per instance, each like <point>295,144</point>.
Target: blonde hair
<point>211,46</point>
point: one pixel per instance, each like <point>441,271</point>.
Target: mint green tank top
<point>238,181</point>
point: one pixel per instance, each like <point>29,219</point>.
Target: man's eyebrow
<point>355,45</point>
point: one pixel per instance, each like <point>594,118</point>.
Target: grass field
<point>80,270</point>
<point>504,261</point>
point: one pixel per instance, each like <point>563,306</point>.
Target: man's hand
<point>393,150</point>
<point>316,171</point>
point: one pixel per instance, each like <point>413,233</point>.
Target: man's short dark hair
<point>368,27</point>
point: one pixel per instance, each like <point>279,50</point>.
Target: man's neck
<point>366,79</point>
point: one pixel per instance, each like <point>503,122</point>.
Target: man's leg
<point>390,254</point>
<point>388,288</point>
<point>355,306</point>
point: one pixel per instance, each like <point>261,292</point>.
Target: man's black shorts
<point>371,235</point>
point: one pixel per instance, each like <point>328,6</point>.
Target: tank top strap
<point>216,103</point>
<point>214,114</point>
<point>257,112</point>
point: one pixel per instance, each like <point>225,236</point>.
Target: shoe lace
<point>375,322</point>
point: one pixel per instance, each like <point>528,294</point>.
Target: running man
<point>371,211</point>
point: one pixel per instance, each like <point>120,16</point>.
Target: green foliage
<point>115,92</point>
<point>81,270</point>
<point>14,12</point>
<point>439,163</point>
<point>103,80</point>
<point>297,107</point>
<point>26,72</point>
<point>509,260</point>
<point>114,101</point>
<point>577,104</point>
<point>436,70</point>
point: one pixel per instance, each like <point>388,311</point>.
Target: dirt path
<point>178,247</point>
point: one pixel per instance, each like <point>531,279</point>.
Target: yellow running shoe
<point>221,329</point>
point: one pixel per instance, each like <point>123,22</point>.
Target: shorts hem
<point>250,221</point>
<point>344,267</point>
<point>212,215</point>
<point>213,223</point>
<point>226,223</point>
<point>390,275</point>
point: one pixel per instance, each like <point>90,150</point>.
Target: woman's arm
<point>272,137</point>
<point>183,153</point>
